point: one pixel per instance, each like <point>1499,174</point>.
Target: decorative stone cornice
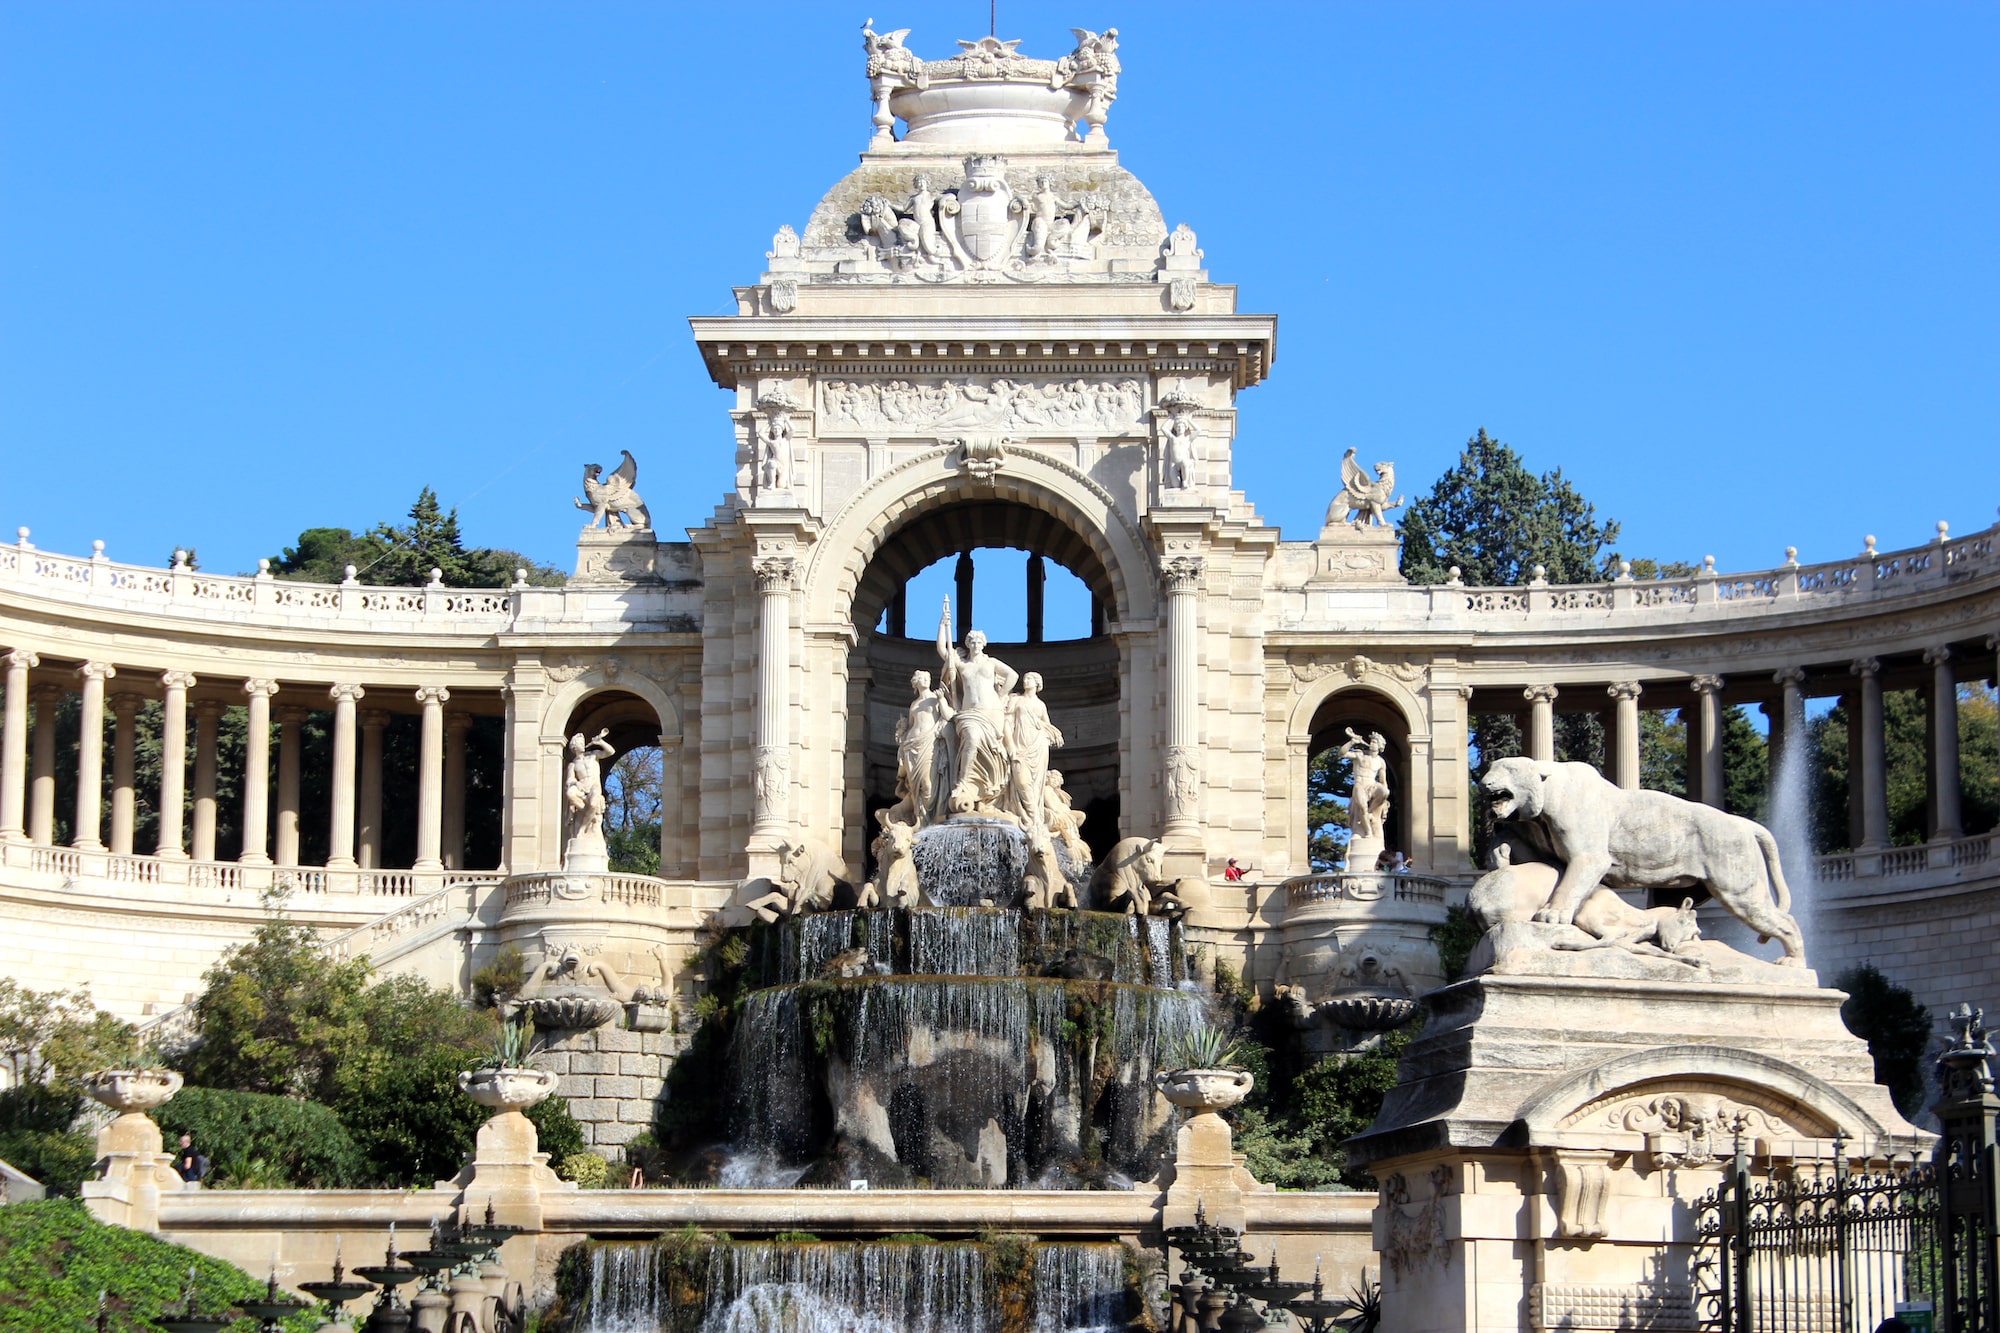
<point>1540,694</point>
<point>775,573</point>
<point>1625,689</point>
<point>260,686</point>
<point>1705,684</point>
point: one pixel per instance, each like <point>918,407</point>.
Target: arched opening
<point>1330,776</point>
<point>1041,595</point>
<point>635,796</point>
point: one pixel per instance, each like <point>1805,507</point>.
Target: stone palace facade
<point>985,335</point>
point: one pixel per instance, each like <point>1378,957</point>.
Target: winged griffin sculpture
<point>1360,499</point>
<point>614,495</point>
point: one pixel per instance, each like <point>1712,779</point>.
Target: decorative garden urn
<point>509,1088</point>
<point>1205,1090</point>
<point>132,1091</point>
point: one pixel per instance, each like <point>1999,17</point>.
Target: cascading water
<point>714,1286</point>
<point>1791,825</point>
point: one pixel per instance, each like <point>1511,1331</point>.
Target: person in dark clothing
<point>189,1163</point>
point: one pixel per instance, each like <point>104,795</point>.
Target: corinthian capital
<point>96,671</point>
<point>1540,694</point>
<point>1625,689</point>
<point>1865,666</point>
<point>21,659</point>
<point>774,573</point>
<point>260,686</point>
<point>433,696</point>
<point>345,693</point>
<point>1182,573</point>
<point>1792,676</point>
<point>1705,684</point>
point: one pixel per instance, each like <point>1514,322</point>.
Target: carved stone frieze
<point>925,407</point>
<point>1357,666</point>
<point>1415,1237</point>
<point>1694,1123</point>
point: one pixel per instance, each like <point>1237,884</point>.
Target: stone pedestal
<point>133,1166</point>
<point>586,854</point>
<point>617,555</point>
<point>1550,1131</point>
<point>1207,1173</point>
<point>1346,554</point>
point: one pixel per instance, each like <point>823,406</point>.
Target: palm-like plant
<point>514,1043</point>
<point>1201,1048</point>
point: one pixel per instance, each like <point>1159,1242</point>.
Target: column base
<point>340,863</point>
<point>90,845</point>
<point>427,863</point>
<point>170,854</point>
<point>253,859</point>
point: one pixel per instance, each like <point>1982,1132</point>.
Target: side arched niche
<point>634,713</point>
<point>1366,711</point>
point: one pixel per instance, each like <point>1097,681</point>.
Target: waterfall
<point>959,943</point>
<point>1791,825</point>
<point>624,1294</point>
<point>1079,1289</point>
<point>971,861</point>
<point>853,1288</point>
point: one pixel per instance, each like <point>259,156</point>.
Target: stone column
<point>125,721</point>
<point>455,727</point>
<point>1708,689</point>
<point>369,818</point>
<point>1541,722</point>
<point>1038,578</point>
<point>257,772</point>
<point>1789,728</point>
<point>430,778</point>
<point>1626,732</point>
<point>340,814</point>
<point>14,748</point>
<point>285,844</point>
<point>173,764</point>
<point>90,756</point>
<point>961,577</point>
<point>1949,823</point>
<point>207,713</point>
<point>1874,761</point>
<point>1182,576</point>
<point>42,777</point>
<point>772,762</point>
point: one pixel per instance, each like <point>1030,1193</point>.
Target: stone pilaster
<point>173,764</point>
<point>1625,732</point>
<point>124,806</point>
<point>14,747</point>
<point>1874,762</point>
<point>1541,722</point>
<point>1705,744</point>
<point>90,756</point>
<point>42,777</point>
<point>772,758</point>
<point>368,815</point>
<point>340,822</point>
<point>430,778</point>
<point>1181,576</point>
<point>455,727</point>
<point>285,846</point>
<point>1944,746</point>
<point>257,772</point>
<point>207,714</point>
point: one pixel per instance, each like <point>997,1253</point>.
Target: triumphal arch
<point>986,334</point>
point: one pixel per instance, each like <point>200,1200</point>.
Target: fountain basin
<point>514,1088</point>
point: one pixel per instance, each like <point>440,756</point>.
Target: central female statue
<point>976,686</point>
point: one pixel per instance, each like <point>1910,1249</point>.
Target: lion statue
<point>1601,834</point>
<point>808,874</point>
<point>1132,878</point>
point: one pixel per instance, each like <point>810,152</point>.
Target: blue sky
<point>267,266</point>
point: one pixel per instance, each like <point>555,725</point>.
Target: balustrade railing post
<point>1967,1160</point>
<point>1736,1252</point>
<point>1842,1258</point>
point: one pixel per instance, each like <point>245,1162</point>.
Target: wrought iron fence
<point>1835,1250</point>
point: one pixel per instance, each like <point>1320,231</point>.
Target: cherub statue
<point>614,495</point>
<point>1367,502</point>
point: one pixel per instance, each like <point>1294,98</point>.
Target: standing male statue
<point>1368,801</point>
<point>976,686</point>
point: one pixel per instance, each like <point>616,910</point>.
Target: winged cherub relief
<point>614,495</point>
<point>1365,502</point>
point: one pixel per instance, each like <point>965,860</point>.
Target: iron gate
<point>1842,1252</point>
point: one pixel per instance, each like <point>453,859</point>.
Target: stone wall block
<point>616,1134</point>
<point>619,1040</point>
<point>593,1063</point>
<point>573,1086</point>
<point>617,1086</point>
<point>640,1066</point>
<point>637,1111</point>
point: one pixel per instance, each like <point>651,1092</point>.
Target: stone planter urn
<point>132,1091</point>
<point>1205,1090</point>
<point>512,1088</point>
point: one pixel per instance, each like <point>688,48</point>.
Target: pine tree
<point>1496,521</point>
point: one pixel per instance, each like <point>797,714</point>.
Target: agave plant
<point>515,1043</point>
<point>1201,1048</point>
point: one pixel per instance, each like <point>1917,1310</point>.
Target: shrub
<point>257,1141</point>
<point>1455,940</point>
<point>556,1130</point>
<point>587,1169</point>
<point>1896,1028</point>
<point>500,979</point>
<point>55,1259</point>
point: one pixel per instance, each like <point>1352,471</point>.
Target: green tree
<point>1495,520</point>
<point>1896,1028</point>
<point>404,554</point>
<point>1905,725</point>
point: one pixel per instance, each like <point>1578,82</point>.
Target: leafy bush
<point>257,1141</point>
<point>1455,940</point>
<point>500,979</point>
<point>1896,1028</point>
<point>556,1130</point>
<point>55,1259</point>
<point>587,1169</point>
<point>35,1136</point>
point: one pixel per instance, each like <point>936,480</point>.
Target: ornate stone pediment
<point>1357,666</point>
<point>1691,1122</point>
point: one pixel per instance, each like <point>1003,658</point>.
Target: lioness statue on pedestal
<point>1603,835</point>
